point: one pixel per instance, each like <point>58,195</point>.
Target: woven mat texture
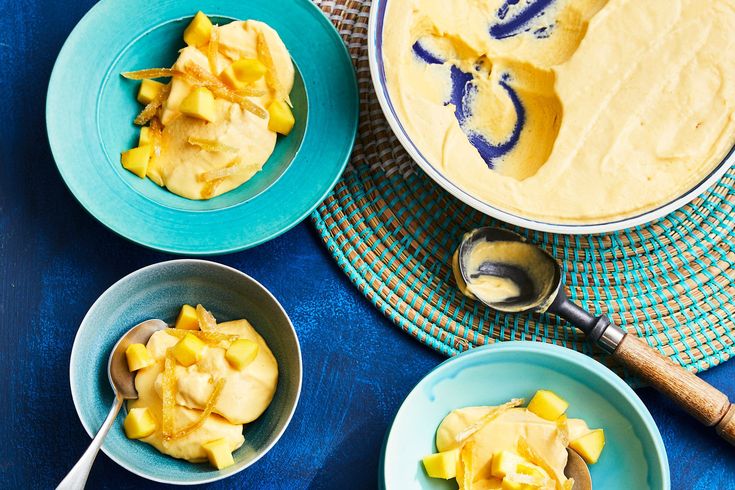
<point>393,231</point>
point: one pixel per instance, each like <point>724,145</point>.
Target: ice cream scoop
<point>490,263</point>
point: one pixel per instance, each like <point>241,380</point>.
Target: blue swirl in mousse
<point>521,18</point>
<point>564,111</point>
<point>493,143</point>
<point>425,55</point>
<point>462,96</point>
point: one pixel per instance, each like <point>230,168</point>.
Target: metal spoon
<point>577,470</point>
<point>123,384</point>
<point>700,399</point>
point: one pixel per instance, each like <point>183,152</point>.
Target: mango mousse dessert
<point>511,447</point>
<point>214,124</point>
<point>198,384</point>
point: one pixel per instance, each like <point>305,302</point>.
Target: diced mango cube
<point>179,90</point>
<point>139,423</point>
<point>145,136</point>
<point>198,32</point>
<point>442,465</point>
<point>281,118</point>
<point>590,445</point>
<point>136,160</point>
<point>219,453</point>
<point>530,469</point>
<point>148,90</point>
<point>242,72</point>
<point>187,319</point>
<point>138,357</point>
<point>241,353</point>
<point>154,172</point>
<point>520,482</point>
<point>189,350</point>
<point>229,77</point>
<point>504,463</point>
<point>547,405</point>
<point>199,104</point>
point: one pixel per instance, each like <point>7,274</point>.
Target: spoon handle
<point>702,400</point>
<point>77,477</point>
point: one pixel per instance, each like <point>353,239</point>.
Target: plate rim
<point>175,247</point>
<point>565,355</point>
<point>73,384</point>
<point>376,64</point>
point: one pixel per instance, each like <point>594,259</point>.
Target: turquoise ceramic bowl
<point>158,291</point>
<point>90,109</point>
<point>634,456</point>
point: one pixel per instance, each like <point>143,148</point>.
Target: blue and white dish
<point>376,28</point>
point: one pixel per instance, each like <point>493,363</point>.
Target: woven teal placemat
<point>393,231</point>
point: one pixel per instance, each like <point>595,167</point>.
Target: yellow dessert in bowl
<point>215,123</point>
<point>198,384</point>
<point>511,447</point>
<point>563,111</point>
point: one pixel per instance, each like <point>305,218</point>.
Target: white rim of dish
<point>375,20</point>
<point>93,432</point>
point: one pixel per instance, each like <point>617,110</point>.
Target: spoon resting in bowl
<point>123,385</point>
<point>498,268</point>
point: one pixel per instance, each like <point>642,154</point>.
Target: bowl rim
<point>377,74</point>
<point>132,276</point>
<point>576,359</point>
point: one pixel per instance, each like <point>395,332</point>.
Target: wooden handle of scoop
<point>702,400</point>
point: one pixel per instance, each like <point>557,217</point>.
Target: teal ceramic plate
<point>158,291</point>
<point>90,108</point>
<point>634,456</point>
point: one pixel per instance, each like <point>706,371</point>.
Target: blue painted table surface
<point>55,260</point>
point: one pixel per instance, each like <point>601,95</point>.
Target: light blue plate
<point>90,108</point>
<point>634,456</point>
<point>158,291</point>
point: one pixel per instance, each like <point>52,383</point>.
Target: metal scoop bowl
<point>540,289</point>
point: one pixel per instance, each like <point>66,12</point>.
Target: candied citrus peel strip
<point>150,110</point>
<point>201,76</point>
<point>211,402</point>
<point>156,136</point>
<point>246,104</point>
<point>211,145</point>
<point>150,73</point>
<point>211,338</point>
<point>486,419</point>
<point>525,450</point>
<point>209,188</point>
<point>250,92</point>
<point>271,75</point>
<point>213,49</point>
<point>467,465</point>
<point>168,395</point>
<point>218,174</point>
<point>213,178</point>
<point>207,321</point>
<point>563,429</point>
<point>219,89</point>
